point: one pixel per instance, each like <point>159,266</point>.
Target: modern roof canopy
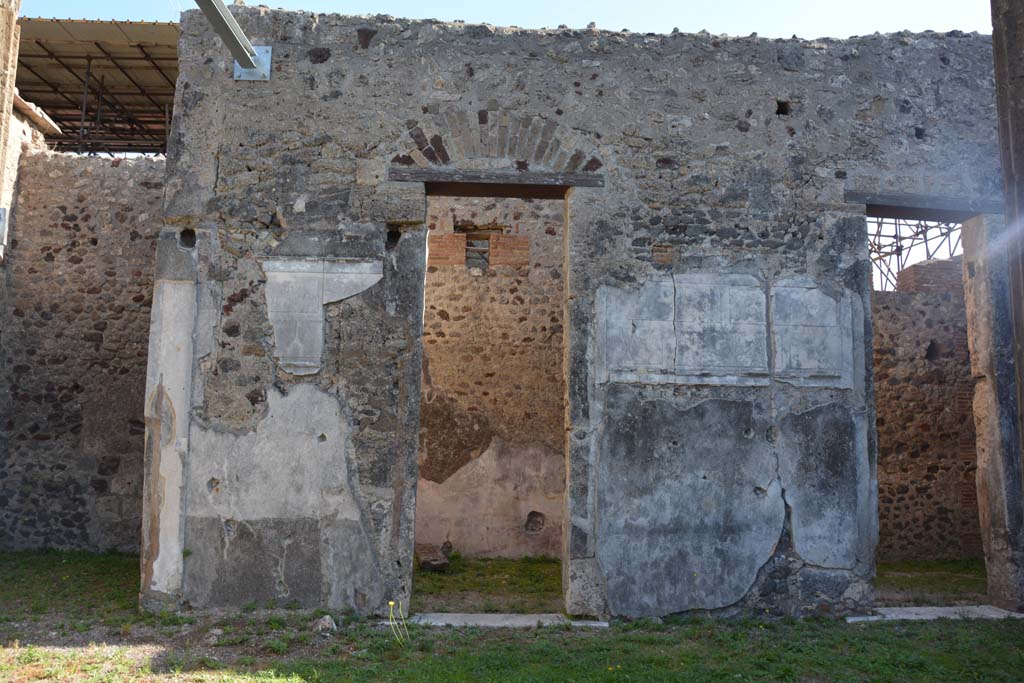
<point>109,85</point>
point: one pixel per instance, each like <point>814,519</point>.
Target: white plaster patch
<point>813,335</point>
<point>713,328</point>
<point>700,328</point>
<point>168,392</point>
<point>293,466</point>
<point>297,290</point>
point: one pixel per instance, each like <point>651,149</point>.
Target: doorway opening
<point>492,459</point>
<point>930,544</point>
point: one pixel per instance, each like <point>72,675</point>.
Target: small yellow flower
<point>391,603</point>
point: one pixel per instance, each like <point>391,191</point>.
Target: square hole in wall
<point>478,242</point>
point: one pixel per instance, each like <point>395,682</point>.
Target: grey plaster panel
<point>637,328</point>
<point>264,505</point>
<point>819,452</point>
<point>351,569</point>
<point>813,335</point>
<point>689,506</point>
<point>234,563</point>
<point>297,289</point>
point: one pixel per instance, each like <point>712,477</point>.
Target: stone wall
<point>492,418</point>
<point>721,448</point>
<point>927,501</point>
<point>78,276</point>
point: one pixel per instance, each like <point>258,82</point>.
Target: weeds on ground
<point>280,648</point>
<point>527,585</point>
<point>937,582</point>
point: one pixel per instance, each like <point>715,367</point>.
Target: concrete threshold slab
<point>500,620</point>
<point>933,613</point>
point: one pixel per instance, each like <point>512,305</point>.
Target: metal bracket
<point>252,63</point>
<point>262,70</point>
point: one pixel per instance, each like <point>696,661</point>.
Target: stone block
<point>108,507</point>
<point>371,171</point>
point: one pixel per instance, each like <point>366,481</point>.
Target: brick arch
<point>494,139</point>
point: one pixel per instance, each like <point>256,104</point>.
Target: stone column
<point>10,34</point>
<point>1008,248</point>
<point>990,332</point>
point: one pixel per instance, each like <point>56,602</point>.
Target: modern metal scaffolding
<point>896,243</point>
<point>109,85</point>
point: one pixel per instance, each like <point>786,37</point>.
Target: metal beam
<point>80,58</point>
<point>112,103</point>
<point>142,91</point>
<point>53,89</point>
<point>34,88</point>
<point>85,100</point>
<point>229,31</point>
<point>156,66</point>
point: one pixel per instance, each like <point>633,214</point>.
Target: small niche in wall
<point>394,236</point>
<point>187,238</point>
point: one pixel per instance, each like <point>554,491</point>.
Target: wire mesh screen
<point>896,243</point>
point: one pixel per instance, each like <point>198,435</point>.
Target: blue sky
<point>772,18</point>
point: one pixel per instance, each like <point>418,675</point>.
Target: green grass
<point>280,647</point>
<point>528,585</point>
<point>695,650</point>
<point>84,584</point>
<point>937,582</point>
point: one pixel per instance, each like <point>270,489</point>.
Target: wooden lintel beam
<point>438,175</point>
<point>924,207</point>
